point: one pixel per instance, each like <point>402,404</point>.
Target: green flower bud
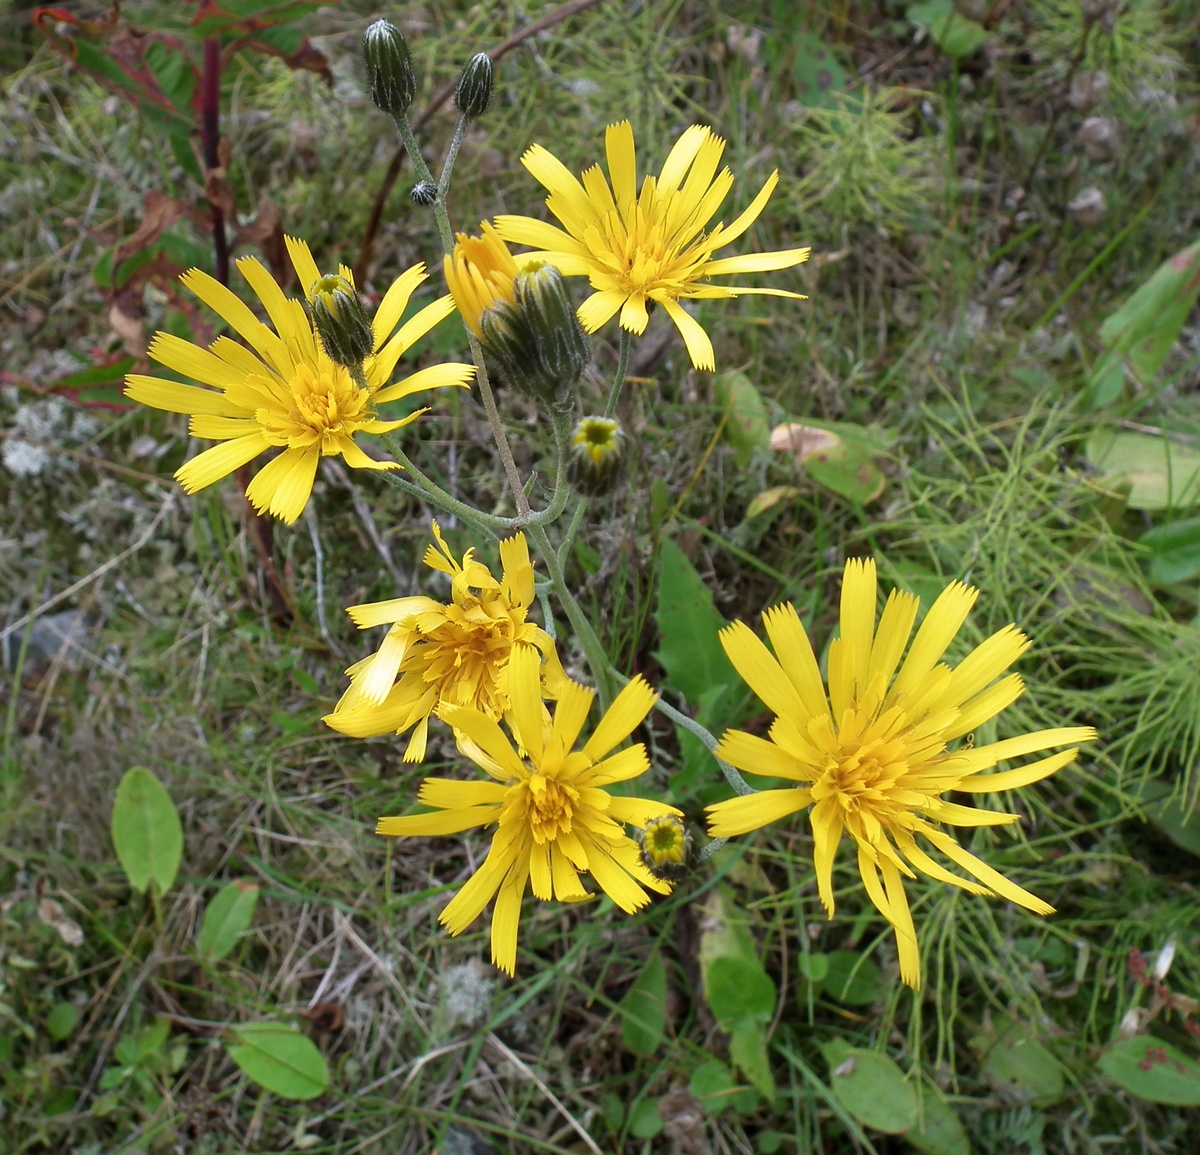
<point>596,457</point>
<point>391,80</point>
<point>666,848</point>
<point>341,321</point>
<point>562,346</point>
<point>509,348</point>
<point>474,91</point>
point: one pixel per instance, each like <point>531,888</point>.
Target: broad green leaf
<point>814,967</point>
<point>746,427</point>
<point>714,1085</point>
<point>689,650</point>
<point>1139,335</point>
<point>952,32</point>
<point>1161,473</point>
<point>61,1020</point>
<point>1014,1059</point>
<point>816,71</point>
<point>871,1087</point>
<point>852,978</point>
<point>279,1060</point>
<point>1175,550</point>
<point>748,1052</point>
<point>644,1009</point>
<point>644,1120</point>
<point>836,454</point>
<point>146,831</point>
<point>227,918</point>
<point>1151,1069</point>
<point>739,991</point>
<point>940,1130</point>
<point>1172,814</point>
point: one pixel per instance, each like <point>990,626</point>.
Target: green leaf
<point>816,71</point>
<point>836,454</point>
<point>940,1130</point>
<point>852,978</point>
<point>1139,335</point>
<point>739,991</point>
<point>1172,814</point>
<point>227,918</point>
<point>814,967</point>
<point>748,1051</point>
<point>644,1009</point>
<point>1175,550</point>
<point>1014,1059</point>
<point>279,1060</point>
<point>952,32</point>
<point>644,1120</point>
<point>871,1087</point>
<point>1161,473</point>
<point>714,1085</point>
<point>61,1020</point>
<point>746,426</point>
<point>1151,1069</point>
<point>689,650</point>
<point>146,831</point>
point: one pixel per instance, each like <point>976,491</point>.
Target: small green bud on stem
<point>341,321</point>
<point>391,79</point>
<point>596,456</point>
<point>474,91</point>
<point>666,848</point>
<point>424,193</point>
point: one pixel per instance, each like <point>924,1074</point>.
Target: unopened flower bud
<point>508,346</point>
<point>341,321</point>
<point>1088,90</point>
<point>391,79</point>
<point>596,457</point>
<point>562,346</point>
<point>666,848</point>
<point>1100,138</point>
<point>1089,207</point>
<point>424,193</point>
<point>474,91</point>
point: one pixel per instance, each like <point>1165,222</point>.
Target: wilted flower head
<point>441,654</point>
<point>873,758</point>
<point>285,391</point>
<point>554,819</point>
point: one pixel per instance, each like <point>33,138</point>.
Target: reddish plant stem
<point>259,527</point>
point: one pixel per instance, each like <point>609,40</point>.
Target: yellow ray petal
<point>453,794</point>
<point>184,357</point>
<point>755,755</point>
<point>756,262</point>
<point>395,301</point>
<point>723,235</point>
<point>981,757</point>
<point>699,347</point>
<point>760,671</point>
<point>506,916</point>
<point>987,704</point>
<point>415,750</point>
<point>795,654</point>
<point>612,879</point>
<point>307,272</point>
<point>624,716</point>
<point>937,631</point>
<point>219,461</point>
<point>176,398</point>
<point>895,625</point>
<point>980,869</point>
<point>441,822</point>
<point>570,714</point>
<point>622,162</point>
<point>284,485</point>
<point>639,811</point>
<point>748,812</point>
<point>380,369</point>
<point>984,665</point>
<point>525,698</point>
<point>957,815</point>
<point>599,309</point>
<point>393,610</point>
<point>539,235</point>
<point>826,819</point>
<point>567,885</point>
<point>1014,779</point>
<point>909,848</point>
<point>486,734</point>
<point>222,428</point>
<point>682,153</point>
<point>517,570</point>
<point>620,767</point>
<point>906,933</point>
<point>540,878</point>
<point>466,906</point>
<point>857,621</point>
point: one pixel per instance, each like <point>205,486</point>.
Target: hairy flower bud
<point>596,458</point>
<point>562,346</point>
<point>509,347</point>
<point>474,91</point>
<point>341,321</point>
<point>424,193</point>
<point>666,848</point>
<point>391,79</point>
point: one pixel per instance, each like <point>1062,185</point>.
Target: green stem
<point>614,394</point>
<point>572,530</point>
<point>739,784</point>
<point>593,650</point>
<point>451,157</point>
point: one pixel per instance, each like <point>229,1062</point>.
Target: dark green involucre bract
<point>391,79</point>
<point>474,91</point>
<point>341,321</point>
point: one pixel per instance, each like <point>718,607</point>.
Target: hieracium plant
<point>871,748</point>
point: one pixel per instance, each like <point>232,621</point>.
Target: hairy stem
<point>614,394</point>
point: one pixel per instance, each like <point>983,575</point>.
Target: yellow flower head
<point>648,246</point>
<point>480,272</point>
<point>284,391</point>
<point>452,654</point>
<point>873,758</point>
<point>553,817</point>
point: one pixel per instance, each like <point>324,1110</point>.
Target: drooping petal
<point>699,347</point>
<point>284,485</point>
<point>748,812</point>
